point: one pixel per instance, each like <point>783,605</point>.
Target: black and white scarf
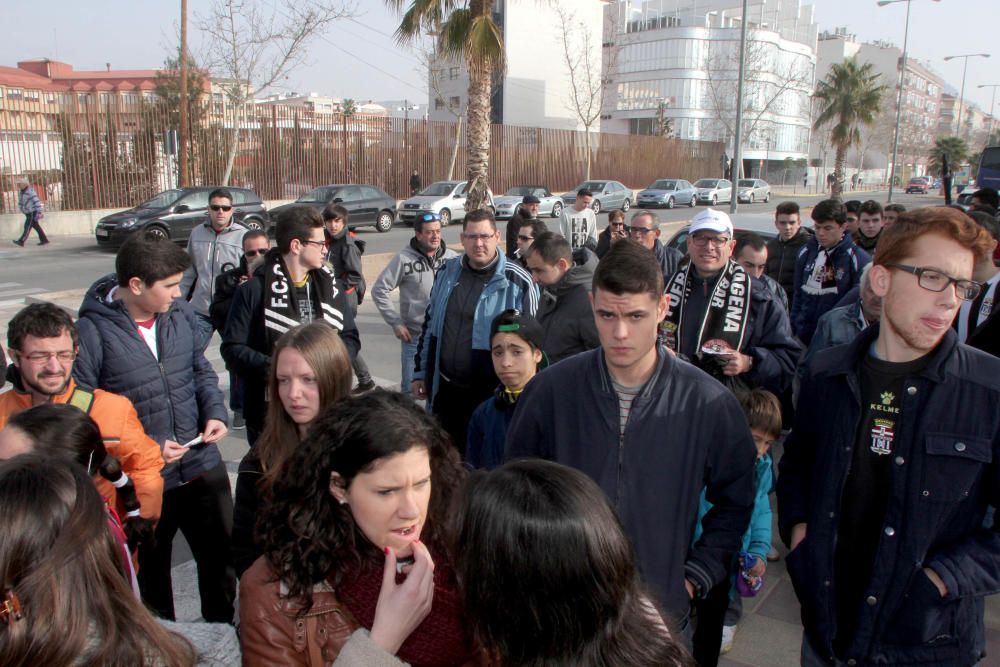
<point>723,327</point>
<point>281,310</point>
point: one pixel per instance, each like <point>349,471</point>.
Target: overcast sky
<point>359,59</point>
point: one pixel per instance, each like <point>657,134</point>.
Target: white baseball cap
<point>713,221</point>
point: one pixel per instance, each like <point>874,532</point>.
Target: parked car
<point>366,205</point>
<point>446,198</point>
<point>713,190</point>
<point>753,190</point>
<point>918,185</point>
<point>667,192</point>
<point>509,202</point>
<point>607,195</point>
<point>172,214</point>
<point>763,228</point>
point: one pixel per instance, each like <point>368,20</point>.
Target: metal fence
<point>118,156</point>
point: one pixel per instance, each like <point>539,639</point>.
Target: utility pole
<point>737,152</point>
<point>183,131</point>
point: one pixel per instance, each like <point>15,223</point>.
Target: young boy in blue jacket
<point>763,412</point>
<point>516,349</point>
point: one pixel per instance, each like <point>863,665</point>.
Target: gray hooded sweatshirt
<point>412,271</point>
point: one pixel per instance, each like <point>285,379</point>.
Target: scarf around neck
<point>822,278</point>
<point>281,310</point>
<point>723,326</point>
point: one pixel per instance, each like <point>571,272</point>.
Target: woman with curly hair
<point>310,369</point>
<point>63,599</point>
<point>547,577</point>
<point>358,509</point>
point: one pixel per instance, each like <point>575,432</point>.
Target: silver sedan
<point>508,203</point>
<point>753,190</point>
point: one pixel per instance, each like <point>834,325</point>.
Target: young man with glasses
<point>526,212</point>
<point>293,285</point>
<point>645,230</point>
<point>720,320</point>
<point>828,267</point>
<point>43,345</point>
<point>411,271</point>
<point>212,245</point>
<point>453,369</point>
<point>891,465</point>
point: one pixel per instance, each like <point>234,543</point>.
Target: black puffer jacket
<point>781,256</point>
<point>174,395</point>
<point>564,310</point>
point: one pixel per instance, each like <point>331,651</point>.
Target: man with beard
<point>411,271</point>
<point>891,465</point>
<point>43,345</point>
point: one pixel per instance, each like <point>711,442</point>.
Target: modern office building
<point>679,60</point>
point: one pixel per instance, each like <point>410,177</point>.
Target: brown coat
<point>271,634</point>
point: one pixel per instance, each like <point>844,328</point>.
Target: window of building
<point>454,102</point>
<point>438,103</point>
<point>15,94</point>
<point>452,72</point>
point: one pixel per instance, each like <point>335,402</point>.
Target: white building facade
<point>679,59</point>
<point>535,89</point>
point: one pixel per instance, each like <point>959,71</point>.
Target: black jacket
<point>174,395</point>
<point>222,297</point>
<point>686,433</point>
<point>669,259</point>
<point>344,253</point>
<point>245,346</point>
<point>781,256</point>
<point>513,227</point>
<point>945,474</point>
<point>564,310</point>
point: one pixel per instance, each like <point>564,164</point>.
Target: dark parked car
<point>366,205</point>
<point>172,214</point>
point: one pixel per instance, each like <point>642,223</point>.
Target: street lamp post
<point>737,149</point>
<point>993,101</point>
<point>899,99</point>
<point>961,96</point>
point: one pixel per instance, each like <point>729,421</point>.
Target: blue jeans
<point>408,352</point>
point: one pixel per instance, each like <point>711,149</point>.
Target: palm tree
<point>956,150</point>
<point>466,30</point>
<point>849,97</point>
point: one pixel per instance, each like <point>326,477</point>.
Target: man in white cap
<point>723,322</point>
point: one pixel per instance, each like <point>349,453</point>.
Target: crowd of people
<point>587,481</point>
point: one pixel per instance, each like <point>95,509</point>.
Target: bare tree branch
<point>256,45</point>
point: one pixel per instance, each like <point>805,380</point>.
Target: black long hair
<point>542,539</point>
<point>309,537</point>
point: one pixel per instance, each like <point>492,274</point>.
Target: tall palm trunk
<point>478,129</point>
<point>478,138</point>
<point>839,164</point>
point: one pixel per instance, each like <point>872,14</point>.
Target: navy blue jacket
<point>946,452</point>
<point>848,260</point>
<point>488,426</point>
<point>685,433</point>
<point>174,396</point>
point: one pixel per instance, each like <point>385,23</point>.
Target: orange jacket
<point>124,438</point>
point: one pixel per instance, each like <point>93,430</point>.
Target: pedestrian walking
<point>29,204</point>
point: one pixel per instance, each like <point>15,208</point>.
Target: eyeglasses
<point>321,244</point>
<point>220,207</point>
<point>521,237</point>
<point>617,224</point>
<point>255,253</point>
<point>641,231</point>
<point>430,217</point>
<point>702,241</point>
<point>478,237</point>
<point>935,281</point>
<point>64,356</point>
